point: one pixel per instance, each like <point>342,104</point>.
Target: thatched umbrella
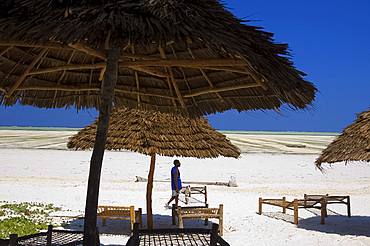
<point>190,57</point>
<point>154,133</point>
<point>352,145</point>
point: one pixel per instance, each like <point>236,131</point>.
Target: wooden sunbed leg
<point>323,210</point>
<point>104,222</point>
<point>205,196</point>
<point>49,235</point>
<point>260,206</point>
<point>132,216</point>
<point>178,213</point>
<point>295,211</point>
<point>181,225</point>
<point>206,220</point>
<point>348,207</point>
<point>221,219</point>
<point>13,240</point>
<point>284,205</point>
<point>173,215</point>
<point>141,217</point>
<point>214,233</point>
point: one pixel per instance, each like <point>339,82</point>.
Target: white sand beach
<point>37,167</point>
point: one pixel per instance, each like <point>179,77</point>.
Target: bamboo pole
<point>91,237</point>
<point>149,190</point>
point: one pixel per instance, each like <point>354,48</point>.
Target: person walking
<point>175,183</point>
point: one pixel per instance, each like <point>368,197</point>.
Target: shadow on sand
<point>338,224</point>
<point>123,228</point>
<point>334,223</point>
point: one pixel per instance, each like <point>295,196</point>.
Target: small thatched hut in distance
<point>352,145</point>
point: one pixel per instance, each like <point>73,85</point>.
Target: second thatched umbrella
<point>154,133</point>
<point>352,145</point>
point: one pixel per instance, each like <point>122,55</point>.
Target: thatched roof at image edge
<point>191,57</point>
<point>352,145</point>
<point>149,133</point>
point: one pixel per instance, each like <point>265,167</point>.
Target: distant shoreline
<point>33,128</point>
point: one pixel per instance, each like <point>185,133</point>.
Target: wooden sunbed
<point>120,213</point>
<point>190,191</point>
<point>187,213</point>
<point>309,201</point>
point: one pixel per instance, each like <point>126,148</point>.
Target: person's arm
<point>176,176</point>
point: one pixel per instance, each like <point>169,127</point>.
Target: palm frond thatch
<point>352,145</point>
<point>158,133</point>
<point>190,57</point>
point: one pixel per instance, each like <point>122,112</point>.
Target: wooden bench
<point>120,213</point>
<point>188,213</point>
<point>309,201</point>
<point>190,191</point>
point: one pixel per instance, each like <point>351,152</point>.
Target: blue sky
<point>329,40</point>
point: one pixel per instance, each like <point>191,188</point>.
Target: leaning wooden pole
<point>149,190</point>
<point>91,237</point>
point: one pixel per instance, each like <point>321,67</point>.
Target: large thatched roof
<point>352,145</point>
<point>158,133</point>
<point>187,56</point>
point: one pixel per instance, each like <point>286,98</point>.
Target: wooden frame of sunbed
<point>188,213</point>
<point>309,201</point>
<point>120,213</point>
<point>195,190</point>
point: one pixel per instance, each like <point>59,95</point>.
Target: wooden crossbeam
<point>6,50</point>
<point>87,88</point>
<point>172,77</point>
<point>68,67</point>
<point>197,63</point>
<point>205,75</point>
<point>89,51</point>
<point>26,72</point>
<point>228,88</point>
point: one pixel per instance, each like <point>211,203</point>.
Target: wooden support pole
<point>149,190</point>
<point>260,206</point>
<point>284,205</point>
<point>295,211</point>
<point>91,236</point>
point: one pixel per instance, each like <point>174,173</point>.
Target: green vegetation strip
<point>24,218</point>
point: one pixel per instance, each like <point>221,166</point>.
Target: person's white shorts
<point>174,193</point>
